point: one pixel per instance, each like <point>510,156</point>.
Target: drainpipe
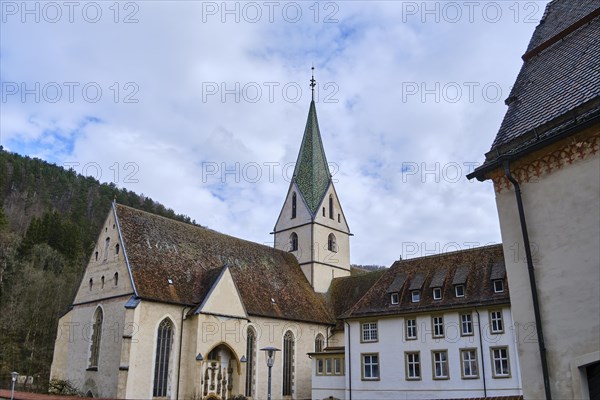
<point>349,362</point>
<point>481,353</point>
<point>532,283</point>
<point>180,347</point>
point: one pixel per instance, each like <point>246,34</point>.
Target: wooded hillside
<point>49,220</point>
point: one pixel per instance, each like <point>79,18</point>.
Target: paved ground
<point>5,394</point>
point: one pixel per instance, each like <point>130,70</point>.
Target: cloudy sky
<point>202,106</point>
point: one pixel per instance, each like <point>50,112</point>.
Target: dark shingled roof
<point>498,271</point>
<point>397,284</point>
<point>159,248</point>
<point>312,171</point>
<point>417,282</point>
<point>460,276</point>
<point>438,278</point>
<point>478,289</point>
<point>558,86</point>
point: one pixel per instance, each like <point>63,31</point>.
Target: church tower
<point>312,225</point>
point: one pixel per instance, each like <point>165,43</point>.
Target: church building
<point>169,310</point>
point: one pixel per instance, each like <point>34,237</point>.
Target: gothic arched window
<point>288,363</point>
<point>250,360</point>
<point>164,342</point>
<point>319,343</point>
<point>331,243</point>
<point>293,241</point>
<point>96,338</point>
<point>294,205</point>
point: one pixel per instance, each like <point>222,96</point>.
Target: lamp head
<point>270,355</point>
<point>14,376</point>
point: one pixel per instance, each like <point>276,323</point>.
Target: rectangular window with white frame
<point>466,325</point>
<point>320,368</point>
<point>437,293</point>
<point>338,366</point>
<point>416,296</point>
<point>440,364</point>
<point>438,326</point>
<point>459,290</point>
<point>413,365</point>
<point>411,328</point>
<point>498,286</point>
<point>328,366</point>
<point>394,298</point>
<point>496,322</point>
<point>370,366</point>
<point>500,362</point>
<point>369,332</point>
<point>469,366</point>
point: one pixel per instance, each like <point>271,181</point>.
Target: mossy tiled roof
<point>270,281</point>
<point>312,171</point>
<point>475,267</point>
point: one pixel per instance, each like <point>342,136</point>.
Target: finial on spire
<point>313,83</point>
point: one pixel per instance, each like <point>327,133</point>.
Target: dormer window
<point>394,298</point>
<point>437,293</point>
<point>498,286</point>
<point>170,281</point>
<point>459,290</point>
<point>294,205</point>
<point>416,296</point>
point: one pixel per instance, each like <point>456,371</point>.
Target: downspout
<point>532,283</point>
<point>481,353</point>
<point>349,363</point>
<point>180,347</point>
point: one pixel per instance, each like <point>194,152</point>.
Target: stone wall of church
<point>73,344</point>
<point>563,220</point>
<point>140,376</point>
<point>212,331</point>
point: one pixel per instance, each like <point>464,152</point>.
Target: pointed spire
<point>312,171</point>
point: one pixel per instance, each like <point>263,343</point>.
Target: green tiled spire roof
<point>312,172</point>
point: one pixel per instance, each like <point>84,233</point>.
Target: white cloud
<point>374,57</point>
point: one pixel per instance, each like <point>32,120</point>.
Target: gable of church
<point>223,298</point>
<point>106,274</point>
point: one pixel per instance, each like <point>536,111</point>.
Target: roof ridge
<point>448,253</point>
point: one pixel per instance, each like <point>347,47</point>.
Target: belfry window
<point>294,205</point>
<point>331,206</point>
<point>331,243</point>
<point>293,242</point>
<point>164,342</point>
<point>288,363</point>
<point>96,337</point>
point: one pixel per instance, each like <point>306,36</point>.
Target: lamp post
<point>270,357</point>
<point>13,376</point>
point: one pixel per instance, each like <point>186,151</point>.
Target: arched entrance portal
<point>221,374</point>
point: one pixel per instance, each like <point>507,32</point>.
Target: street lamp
<point>270,357</point>
<point>14,376</point>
